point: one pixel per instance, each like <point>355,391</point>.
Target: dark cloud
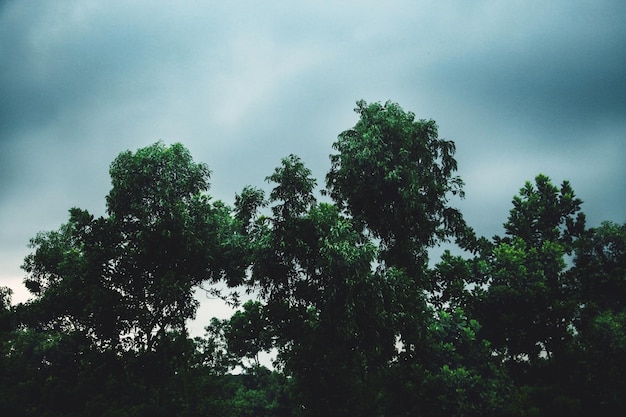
<point>521,88</point>
<point>560,71</point>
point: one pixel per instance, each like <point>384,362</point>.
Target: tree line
<point>342,291</point>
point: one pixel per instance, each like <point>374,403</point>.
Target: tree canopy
<point>340,292</point>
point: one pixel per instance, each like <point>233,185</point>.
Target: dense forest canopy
<point>340,288</point>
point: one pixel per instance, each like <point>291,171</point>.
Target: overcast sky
<point>522,87</point>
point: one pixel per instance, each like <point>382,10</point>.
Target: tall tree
<point>327,307</point>
<point>525,296</point>
<point>394,175</point>
<point>345,283</point>
<point>171,237</point>
<point>248,333</point>
<point>126,281</point>
<point>529,306</point>
<point>600,270</point>
<point>600,343</point>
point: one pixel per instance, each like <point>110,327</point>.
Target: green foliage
<point>246,206</point>
<point>543,213</point>
<point>249,332</point>
<point>328,309</point>
<point>600,342</point>
<point>394,175</point>
<point>155,184</point>
<point>294,188</point>
<point>526,291</point>
<point>343,294</point>
<point>129,278</point>
<point>123,284</point>
<point>601,269</point>
<point>452,372</point>
<point>528,308</point>
<point>5,310</point>
<point>451,279</point>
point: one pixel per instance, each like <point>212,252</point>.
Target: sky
<point>521,87</point>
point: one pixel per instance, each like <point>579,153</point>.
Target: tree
<point>544,213</point>
<point>129,277</point>
<point>528,308</point>
<point>249,332</point>
<point>450,373</point>
<point>600,270</point>
<point>600,343</point>
<point>326,307</point>
<point>171,237</point>
<point>395,176</point>
<point>5,310</point>
<point>125,282</point>
<point>532,323</point>
<point>344,283</point>
<point>525,298</point>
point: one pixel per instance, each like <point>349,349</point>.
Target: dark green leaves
<point>542,212</point>
<point>294,188</point>
<point>128,279</point>
<point>361,323</point>
<point>154,182</point>
<point>395,176</point>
